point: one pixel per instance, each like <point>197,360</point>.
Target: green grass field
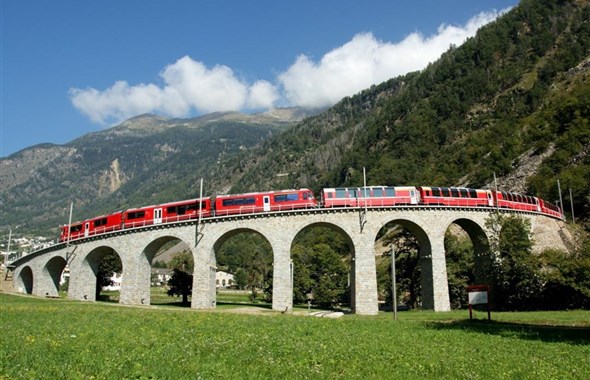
<point>63,339</point>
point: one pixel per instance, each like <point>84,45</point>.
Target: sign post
<point>478,295</point>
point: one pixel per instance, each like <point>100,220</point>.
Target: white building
<point>223,279</point>
<point>160,276</point>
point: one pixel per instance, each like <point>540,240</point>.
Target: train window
<point>100,222</point>
<point>340,193</point>
<point>286,197</point>
<point>472,193</point>
<point>135,214</point>
<point>454,193</point>
<point>172,210</point>
<point>76,228</point>
<point>463,193</point>
<point>239,201</point>
<point>389,192</point>
<point>436,192</point>
<point>445,192</point>
<point>304,196</point>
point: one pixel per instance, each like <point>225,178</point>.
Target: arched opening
<point>244,269</point>
<point>25,282</point>
<point>59,277</point>
<point>323,255</point>
<point>467,259</point>
<point>168,271</point>
<point>107,268</point>
<point>409,244</point>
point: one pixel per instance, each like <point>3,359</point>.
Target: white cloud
<point>189,86</point>
<point>262,94</point>
<point>365,61</point>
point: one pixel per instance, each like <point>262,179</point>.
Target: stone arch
<point>226,237</point>
<point>347,241</point>
<point>230,233</point>
<point>52,275</point>
<point>24,283</point>
<point>481,246</point>
<point>416,230</point>
<point>425,249</point>
<point>144,264</point>
<point>87,274</point>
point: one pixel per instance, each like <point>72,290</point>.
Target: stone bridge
<point>39,272</point>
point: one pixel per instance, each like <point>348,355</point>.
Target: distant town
<point>14,247</point>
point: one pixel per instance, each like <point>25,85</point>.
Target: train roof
<point>94,218</point>
<point>371,187</point>
<point>261,193</point>
<point>168,203</point>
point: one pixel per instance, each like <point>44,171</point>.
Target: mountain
<point>144,160</point>
<point>513,101</point>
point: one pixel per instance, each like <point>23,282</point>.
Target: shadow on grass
<point>219,304</point>
<point>172,303</point>
<point>546,333</point>
<point>245,304</point>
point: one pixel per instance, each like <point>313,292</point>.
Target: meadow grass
<point>64,339</point>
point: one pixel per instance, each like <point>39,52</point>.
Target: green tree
<point>320,272</point>
<point>109,265</point>
<point>515,270</point>
<point>241,278</point>
<point>407,268</point>
<point>460,265</point>
<point>566,278</point>
<point>181,281</point>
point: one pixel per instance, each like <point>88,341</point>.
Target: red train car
<point>456,196</point>
<point>550,209</point>
<point>371,196</point>
<point>264,202</point>
<point>167,212</point>
<point>516,201</point>
<point>91,227</point>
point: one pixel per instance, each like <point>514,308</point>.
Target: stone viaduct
<point>39,272</point>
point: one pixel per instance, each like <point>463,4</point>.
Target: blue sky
<point>71,67</point>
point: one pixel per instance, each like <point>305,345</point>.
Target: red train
<point>189,209</point>
<point>264,202</point>
<point>270,201</point>
<point>370,196</point>
<point>384,196</point>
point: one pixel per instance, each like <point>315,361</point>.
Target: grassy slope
<point>67,339</point>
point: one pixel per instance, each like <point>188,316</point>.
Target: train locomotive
<point>287,200</point>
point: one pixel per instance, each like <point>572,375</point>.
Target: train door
<point>413,197</point>
<point>86,229</point>
<point>490,199</point>
<point>266,203</point>
<point>157,215</point>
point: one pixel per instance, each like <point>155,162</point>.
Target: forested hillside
<point>145,160</point>
<point>517,91</point>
